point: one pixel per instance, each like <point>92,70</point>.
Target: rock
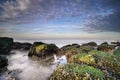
<point>5,45</point>
<point>117,51</point>
<point>105,47</point>
<point>37,44</point>
<point>77,72</point>
<point>43,50</point>
<point>3,61</point>
<point>21,46</point>
<point>93,44</point>
<point>104,44</point>
<point>115,43</point>
<point>67,47</point>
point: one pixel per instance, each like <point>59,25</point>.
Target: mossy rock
<point>117,51</point>
<point>40,48</point>
<point>43,50</point>
<point>82,58</point>
<point>93,44</point>
<point>106,47</point>
<point>77,72</point>
<point>109,62</point>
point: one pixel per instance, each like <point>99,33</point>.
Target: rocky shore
<point>88,61</point>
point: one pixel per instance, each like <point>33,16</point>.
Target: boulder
<point>66,47</point>
<point>5,45</point>
<point>93,44</point>
<point>43,50</point>
<point>21,46</point>
<point>105,47</point>
<point>115,43</point>
<point>3,61</point>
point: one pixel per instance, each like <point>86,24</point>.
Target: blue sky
<point>60,19</point>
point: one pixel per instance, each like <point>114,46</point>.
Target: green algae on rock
<point>43,50</point>
<point>77,72</point>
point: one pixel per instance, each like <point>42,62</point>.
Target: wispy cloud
<point>59,17</point>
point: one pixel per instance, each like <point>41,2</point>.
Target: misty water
<point>26,69</point>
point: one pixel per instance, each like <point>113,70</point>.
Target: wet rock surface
<point>21,46</point>
<point>43,50</point>
<point>106,47</point>
<point>5,45</point>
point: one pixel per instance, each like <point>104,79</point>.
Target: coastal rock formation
<point>3,62</point>
<point>5,45</point>
<point>93,44</point>
<point>115,43</point>
<point>43,50</point>
<point>75,49</point>
<point>93,65</point>
<point>77,72</point>
<point>21,46</point>
<point>105,47</point>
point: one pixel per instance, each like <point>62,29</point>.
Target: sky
<point>60,19</point>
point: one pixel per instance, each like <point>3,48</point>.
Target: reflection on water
<point>28,69</point>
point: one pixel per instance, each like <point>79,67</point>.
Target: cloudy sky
<point>60,19</point>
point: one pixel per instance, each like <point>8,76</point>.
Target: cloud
<point>12,9</point>
<point>105,23</point>
<point>93,16</point>
<point>26,11</point>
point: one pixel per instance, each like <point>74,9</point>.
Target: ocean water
<point>61,43</point>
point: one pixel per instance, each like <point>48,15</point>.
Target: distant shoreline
<point>63,42</point>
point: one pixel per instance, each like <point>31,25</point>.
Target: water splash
<point>61,60</point>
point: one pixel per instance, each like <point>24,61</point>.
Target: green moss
<point>86,58</point>
<point>41,47</point>
<point>82,58</point>
<point>77,72</point>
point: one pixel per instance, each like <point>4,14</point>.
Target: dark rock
<point>76,45</point>
<point>105,47</point>
<point>70,46</point>
<point>115,43</point>
<point>5,45</point>
<point>37,43</point>
<point>21,46</point>
<point>104,44</point>
<point>93,44</point>
<point>43,50</point>
<point>3,61</point>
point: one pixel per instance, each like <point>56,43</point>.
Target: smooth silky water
<point>26,68</point>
